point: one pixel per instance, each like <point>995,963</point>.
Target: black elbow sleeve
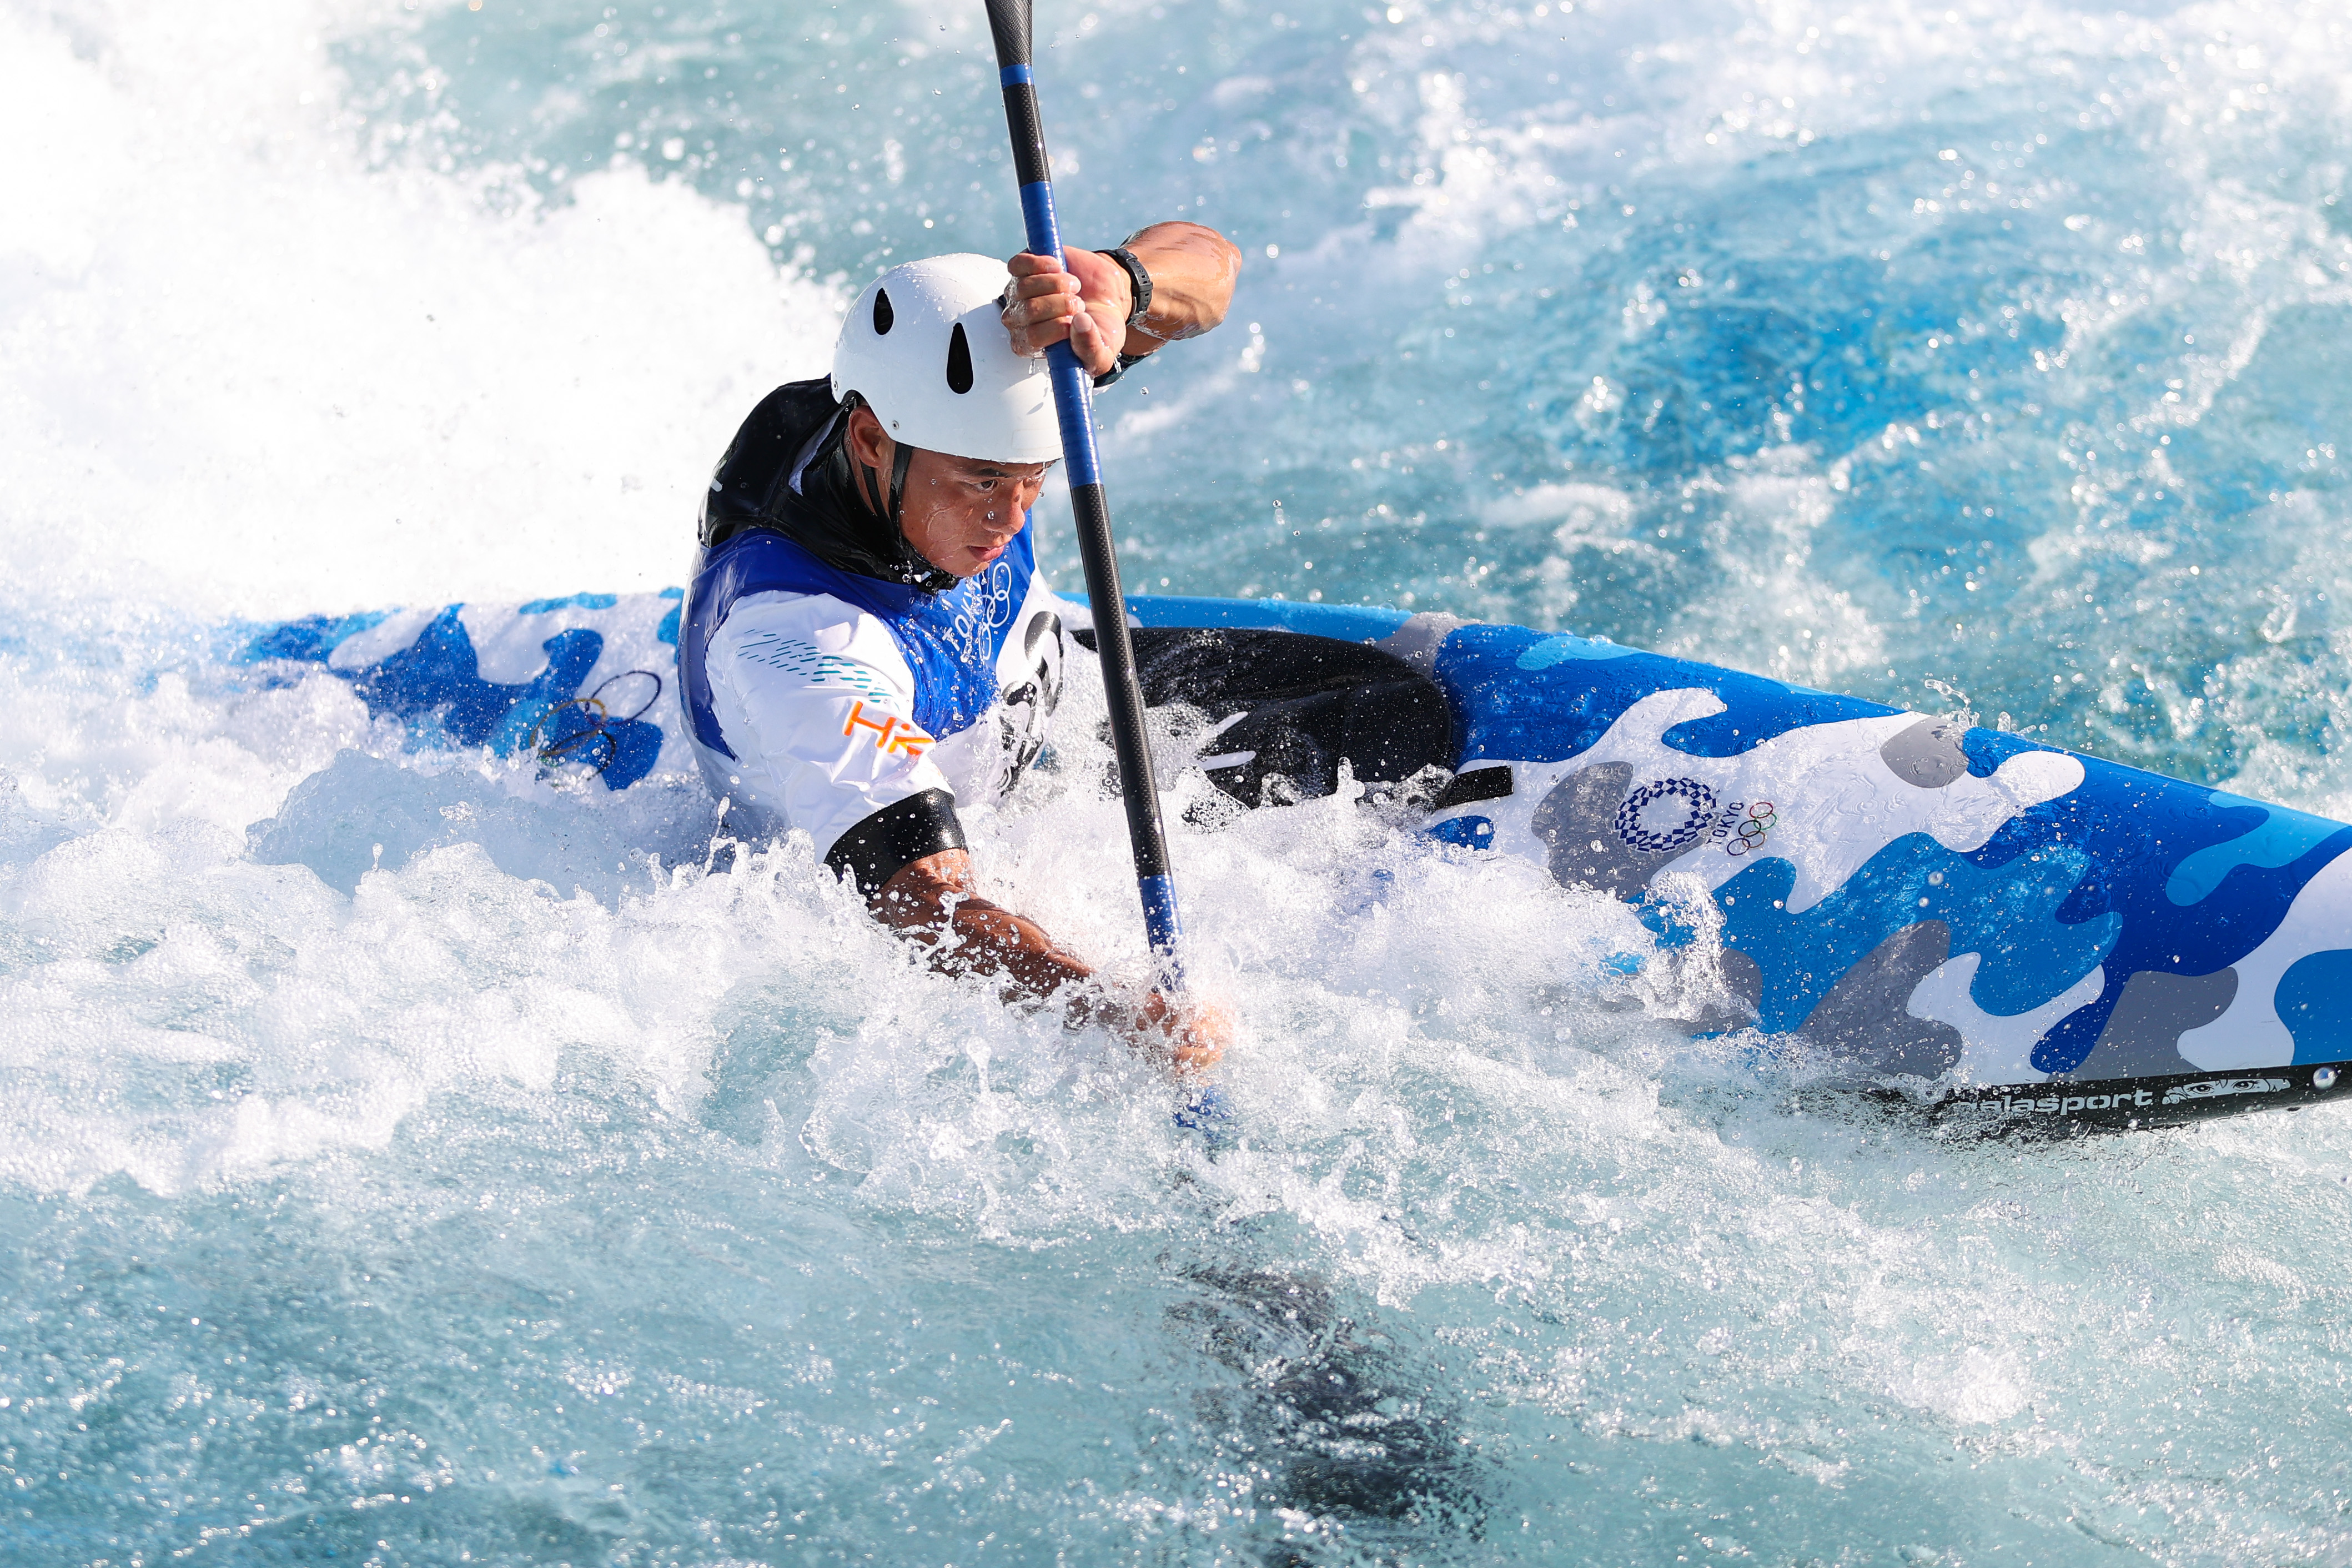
<point>894,837</point>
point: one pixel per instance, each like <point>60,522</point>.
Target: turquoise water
<point>532,1193</point>
<point>1722,329</point>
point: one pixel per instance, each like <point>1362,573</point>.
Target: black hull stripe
<point>2061,1109</point>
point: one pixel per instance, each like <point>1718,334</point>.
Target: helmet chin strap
<point>902,457</point>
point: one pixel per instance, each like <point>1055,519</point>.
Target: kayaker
<point>867,642</point>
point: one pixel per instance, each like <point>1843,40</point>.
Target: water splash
<point>533,1190</point>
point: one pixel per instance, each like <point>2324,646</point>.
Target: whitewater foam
<point>242,371</point>
<point>417,1159</point>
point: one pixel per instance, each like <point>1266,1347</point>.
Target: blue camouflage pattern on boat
<point>1928,898</point>
<point>1916,896</point>
<point>580,681</point>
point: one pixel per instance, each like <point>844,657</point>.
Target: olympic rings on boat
<point>1753,829</point>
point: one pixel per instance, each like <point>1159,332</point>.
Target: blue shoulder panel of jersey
<point>950,640</point>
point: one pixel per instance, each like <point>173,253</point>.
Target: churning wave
<point>415,1160</point>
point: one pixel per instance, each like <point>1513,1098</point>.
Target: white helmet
<point>926,347</point>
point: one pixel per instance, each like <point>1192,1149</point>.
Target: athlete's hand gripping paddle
<point>1008,20</point>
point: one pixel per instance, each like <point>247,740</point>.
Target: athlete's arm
<point>935,902</point>
<point>1087,300</point>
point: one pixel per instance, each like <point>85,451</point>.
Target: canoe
<point>1997,934</point>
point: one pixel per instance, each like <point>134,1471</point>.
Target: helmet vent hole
<point>959,361</point>
<point>883,316</point>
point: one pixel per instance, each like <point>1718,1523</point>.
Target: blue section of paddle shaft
<point>1161,923</point>
<point>1073,406</point>
<point>1014,75</point>
<point>1212,1116</point>
<point>1074,389</point>
<point>1037,218</point>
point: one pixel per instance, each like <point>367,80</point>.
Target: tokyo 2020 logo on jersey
<point>1666,815</point>
<point>987,608</point>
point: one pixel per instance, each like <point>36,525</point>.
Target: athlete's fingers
<point>1192,1035</point>
<point>1044,285</point>
<point>1201,1040</point>
<point>1046,305</point>
<point>1042,302</point>
<point>1094,348</point>
<point>1036,324</point>
<point>1032,337</point>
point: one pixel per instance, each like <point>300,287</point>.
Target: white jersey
<point>819,703</point>
<point>823,699</point>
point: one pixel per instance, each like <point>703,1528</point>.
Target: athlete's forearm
<point>932,901</point>
<point>1193,269</point>
<point>1087,298</point>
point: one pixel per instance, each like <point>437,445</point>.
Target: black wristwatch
<point>1119,367</point>
<point>1139,281</point>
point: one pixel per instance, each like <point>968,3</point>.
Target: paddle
<point>1008,21</point>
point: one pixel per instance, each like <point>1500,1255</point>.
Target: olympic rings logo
<point>1642,833</point>
<point>1752,828</point>
<point>1689,812</point>
<point>987,605</point>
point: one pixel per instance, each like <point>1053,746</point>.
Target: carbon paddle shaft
<point>1073,404</point>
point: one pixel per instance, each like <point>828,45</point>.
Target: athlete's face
<point>959,513</point>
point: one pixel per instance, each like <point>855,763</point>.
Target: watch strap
<point>1118,368</point>
<point>1140,282</point>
